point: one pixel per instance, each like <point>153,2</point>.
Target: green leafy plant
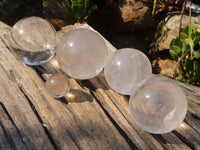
<point>186,51</point>
<point>79,9</point>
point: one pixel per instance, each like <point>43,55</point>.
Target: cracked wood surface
<point>91,116</point>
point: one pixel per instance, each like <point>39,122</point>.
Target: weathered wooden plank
<point>82,125</point>
<point>4,144</point>
<point>11,133</point>
<point>193,98</point>
<point>171,141</point>
<point>188,135</point>
<point>193,122</point>
<point>94,120</point>
<point>32,133</point>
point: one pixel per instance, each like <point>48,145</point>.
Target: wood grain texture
<point>6,141</point>
<point>4,144</point>
<point>12,137</point>
<point>90,116</point>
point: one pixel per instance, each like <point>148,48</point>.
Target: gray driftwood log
<point>90,117</point>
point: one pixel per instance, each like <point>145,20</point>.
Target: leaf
<point>87,3</point>
<point>183,35</point>
<point>173,55</point>
<point>190,81</point>
<point>180,72</point>
<point>196,40</point>
<point>179,80</point>
<point>79,9</point>
<point>197,54</point>
<point>67,4</point>
<point>174,42</point>
<point>186,30</point>
<point>193,29</point>
<point>176,49</point>
<point>188,66</point>
<point>196,65</point>
<point>91,10</point>
<point>189,41</point>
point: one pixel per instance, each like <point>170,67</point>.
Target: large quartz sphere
<point>33,34</point>
<point>81,53</point>
<point>158,106</point>
<point>33,40</point>
<point>126,69</point>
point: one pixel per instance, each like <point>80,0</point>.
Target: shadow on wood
<point>78,96</point>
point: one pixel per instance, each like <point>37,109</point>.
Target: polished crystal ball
<point>158,106</point>
<point>126,69</point>
<point>57,85</point>
<point>33,40</point>
<point>81,53</point>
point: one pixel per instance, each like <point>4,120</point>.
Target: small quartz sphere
<point>158,106</point>
<point>127,68</point>
<point>33,40</point>
<point>57,85</point>
<point>81,53</point>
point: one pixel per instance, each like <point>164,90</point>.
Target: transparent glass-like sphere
<point>57,85</point>
<point>158,106</point>
<point>81,53</point>
<point>126,69</point>
<point>33,40</point>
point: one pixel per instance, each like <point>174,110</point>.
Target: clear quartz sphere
<point>33,40</point>
<point>158,106</point>
<point>57,85</point>
<point>127,68</point>
<point>81,53</point>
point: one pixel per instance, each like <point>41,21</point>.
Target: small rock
<point>164,66</point>
<point>171,28</point>
<point>134,15</point>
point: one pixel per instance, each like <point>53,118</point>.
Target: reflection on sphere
<point>33,40</point>
<point>82,53</point>
<point>57,85</point>
<point>126,69</point>
<point>158,106</point>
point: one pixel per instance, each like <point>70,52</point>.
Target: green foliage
<point>79,9</point>
<point>186,51</point>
